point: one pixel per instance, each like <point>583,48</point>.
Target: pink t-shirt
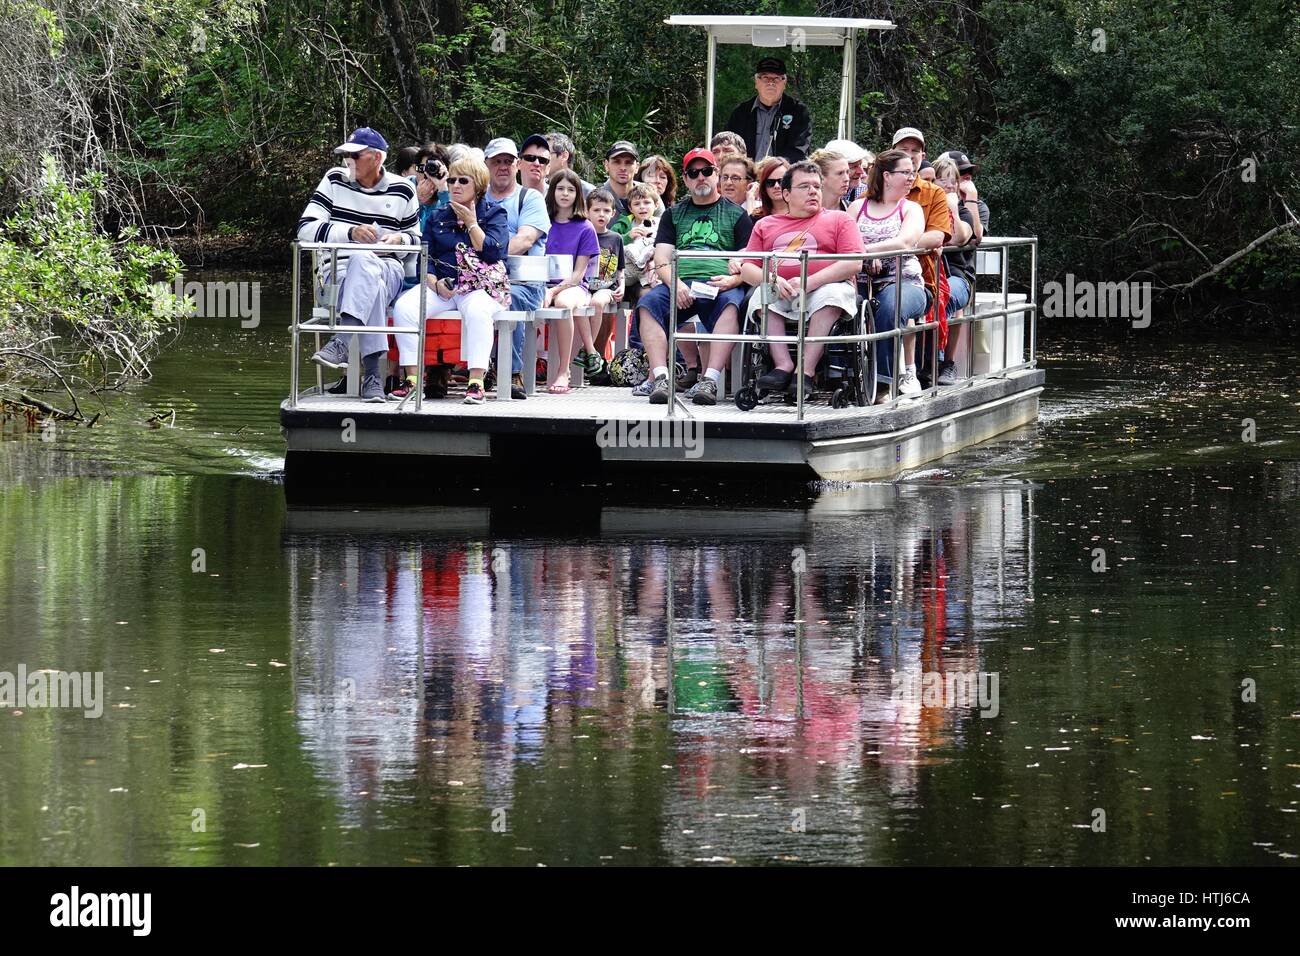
<point>830,231</point>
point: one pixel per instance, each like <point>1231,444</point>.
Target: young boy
<point>607,285</point>
<point>639,246</point>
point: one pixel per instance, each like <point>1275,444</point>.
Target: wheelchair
<point>846,369</point>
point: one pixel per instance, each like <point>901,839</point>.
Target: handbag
<point>473,273</point>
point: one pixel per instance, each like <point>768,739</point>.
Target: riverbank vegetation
<point>1151,142</point>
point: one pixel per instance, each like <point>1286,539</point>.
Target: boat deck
<point>603,432</point>
<point>586,410</point>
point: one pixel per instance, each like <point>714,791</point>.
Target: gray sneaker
<point>659,394</point>
<point>334,354</point>
<point>644,389</point>
<point>704,392</point>
<point>372,389</point>
<point>948,373</point>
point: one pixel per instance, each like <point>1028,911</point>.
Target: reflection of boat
<point>761,644</point>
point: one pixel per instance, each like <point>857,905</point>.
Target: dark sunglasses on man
<point>697,171</point>
<point>535,158</point>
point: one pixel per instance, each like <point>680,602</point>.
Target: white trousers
<point>368,284</point>
<point>476,310</point>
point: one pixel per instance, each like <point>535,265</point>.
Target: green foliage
<point>1129,159</point>
<point>62,274</point>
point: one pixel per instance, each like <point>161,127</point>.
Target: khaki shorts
<point>841,294</point>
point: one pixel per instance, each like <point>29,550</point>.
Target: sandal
<point>558,389</point>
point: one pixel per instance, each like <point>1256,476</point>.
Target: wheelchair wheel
<point>841,398</point>
<point>746,399</point>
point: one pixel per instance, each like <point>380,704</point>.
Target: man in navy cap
<point>361,202</point>
<point>772,123</point>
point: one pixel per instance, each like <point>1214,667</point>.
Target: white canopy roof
<point>779,31</point>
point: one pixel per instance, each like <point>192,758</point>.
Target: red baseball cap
<point>698,153</point>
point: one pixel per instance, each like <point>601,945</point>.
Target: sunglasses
<point>534,158</point>
<point>774,181</point>
<point>699,171</point>
<point>459,180</point>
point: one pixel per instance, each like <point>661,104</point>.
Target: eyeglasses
<point>910,174</point>
<point>459,180</point>
<point>770,78</point>
<point>806,187</point>
<point>534,158</point>
<point>774,181</point>
<point>733,179</point>
<point>699,171</point>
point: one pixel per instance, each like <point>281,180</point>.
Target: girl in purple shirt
<point>571,235</point>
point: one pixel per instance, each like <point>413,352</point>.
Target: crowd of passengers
<point>757,187</point>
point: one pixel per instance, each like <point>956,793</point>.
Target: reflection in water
<point>773,641</point>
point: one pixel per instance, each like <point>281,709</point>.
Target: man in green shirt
<point>706,290</point>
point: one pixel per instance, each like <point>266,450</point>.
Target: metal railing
<point>1028,308</point>
<point>297,326</point>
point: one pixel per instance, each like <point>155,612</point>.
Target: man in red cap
<point>706,290</point>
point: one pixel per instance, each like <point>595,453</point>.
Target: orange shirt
<point>938,217</point>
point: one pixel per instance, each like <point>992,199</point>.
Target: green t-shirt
<point>721,226</point>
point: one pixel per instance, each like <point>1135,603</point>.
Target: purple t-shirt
<point>574,238</point>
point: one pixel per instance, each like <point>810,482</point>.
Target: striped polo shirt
<point>339,203</point>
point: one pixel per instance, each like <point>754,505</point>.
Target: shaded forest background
<point>1154,141</point>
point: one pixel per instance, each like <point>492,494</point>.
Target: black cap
<point>536,139</point>
<point>770,64</point>
<point>926,164</point>
<point>964,165</point>
<point>622,146</point>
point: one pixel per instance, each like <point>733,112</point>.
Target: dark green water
<point>420,686</point>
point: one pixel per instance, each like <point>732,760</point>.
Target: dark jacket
<point>793,139</point>
<point>442,233</point>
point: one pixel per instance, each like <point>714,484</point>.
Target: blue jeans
<point>911,306</point>
<point>524,297</point>
<point>959,296</point>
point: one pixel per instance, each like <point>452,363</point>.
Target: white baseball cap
<point>499,146</point>
<point>848,149</point>
<point>908,132</point>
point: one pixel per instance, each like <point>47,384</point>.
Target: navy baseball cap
<point>536,139</point>
<point>362,139</point>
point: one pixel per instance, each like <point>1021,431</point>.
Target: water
<point>425,685</point>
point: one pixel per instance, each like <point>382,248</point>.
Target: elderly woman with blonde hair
<point>468,240</point>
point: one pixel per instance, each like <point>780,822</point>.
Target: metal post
<point>846,89</point>
<point>803,308</point>
<point>293,353</point>
<point>708,93</point>
<point>423,272</point>
<point>672,315</point>
<point>898,338</point>
<point>1006,319</point>
<point>1033,295</point>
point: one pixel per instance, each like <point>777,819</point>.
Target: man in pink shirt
<point>830,290</point>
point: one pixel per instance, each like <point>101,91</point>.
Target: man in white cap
<point>364,203</point>
<point>938,230</point>
<point>857,158</point>
<point>527,222</point>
